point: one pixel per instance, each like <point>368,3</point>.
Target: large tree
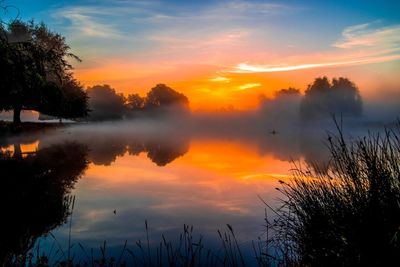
<point>34,69</point>
<point>105,103</point>
<point>162,96</point>
<point>68,101</point>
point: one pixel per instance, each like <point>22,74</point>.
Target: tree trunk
<point>17,115</point>
<point>17,150</point>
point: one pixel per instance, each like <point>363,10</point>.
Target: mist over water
<point>202,169</point>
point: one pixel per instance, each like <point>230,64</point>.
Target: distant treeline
<point>106,104</point>
<point>322,99</point>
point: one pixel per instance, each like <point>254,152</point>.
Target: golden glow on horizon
<point>211,56</point>
<point>210,88</point>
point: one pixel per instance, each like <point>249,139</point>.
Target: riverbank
<point>7,127</point>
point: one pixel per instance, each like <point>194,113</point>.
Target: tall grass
<point>188,251</point>
<point>348,215</point>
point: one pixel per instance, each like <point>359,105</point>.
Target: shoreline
<point>7,127</point>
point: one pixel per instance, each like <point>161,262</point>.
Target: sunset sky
<point>222,53</point>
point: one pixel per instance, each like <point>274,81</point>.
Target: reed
<point>348,215</point>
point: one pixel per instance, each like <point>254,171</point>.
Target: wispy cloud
<point>368,35</point>
<point>248,86</point>
<point>360,44</point>
<point>247,9</point>
<point>220,79</point>
<point>87,22</point>
<point>247,68</point>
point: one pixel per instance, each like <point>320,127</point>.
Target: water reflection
<point>104,150</point>
<point>164,143</point>
<point>208,178</point>
<point>34,195</point>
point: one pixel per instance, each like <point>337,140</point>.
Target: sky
<point>226,53</point>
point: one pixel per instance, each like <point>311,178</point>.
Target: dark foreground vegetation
<point>35,195</point>
<point>348,215</point>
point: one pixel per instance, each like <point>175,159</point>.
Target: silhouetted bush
<point>348,216</point>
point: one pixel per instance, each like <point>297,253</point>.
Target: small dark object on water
<point>273,132</point>
<point>115,211</point>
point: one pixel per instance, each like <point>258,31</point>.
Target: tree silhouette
<point>346,96</point>
<point>283,109</point>
<point>287,92</point>
<point>34,68</point>
<point>323,99</point>
<point>105,103</point>
<point>162,96</point>
<point>35,195</point>
<point>69,101</point>
<point>135,102</point>
<point>161,99</point>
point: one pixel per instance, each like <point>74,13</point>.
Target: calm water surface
<point>122,176</point>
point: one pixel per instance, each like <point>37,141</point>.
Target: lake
<point>122,175</point>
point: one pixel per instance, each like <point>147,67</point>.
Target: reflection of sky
<point>215,177</point>
<point>215,183</point>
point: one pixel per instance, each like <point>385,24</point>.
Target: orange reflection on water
<point>214,177</point>
<point>234,160</point>
<point>24,149</point>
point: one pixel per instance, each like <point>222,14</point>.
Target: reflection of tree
<point>103,150</point>
<point>163,153</point>
<point>314,150</point>
<point>34,195</point>
<point>135,148</point>
<point>296,144</point>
